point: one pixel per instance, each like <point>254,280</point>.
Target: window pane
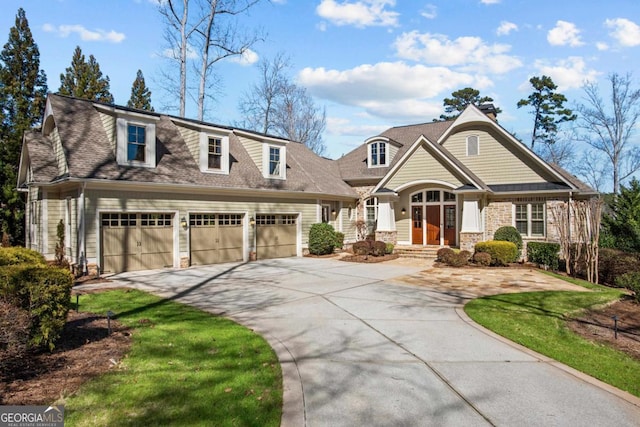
<point>417,198</point>
<point>374,154</point>
<point>522,227</point>
<point>537,228</point>
<point>521,213</point>
<point>537,212</point>
<point>383,153</point>
<point>433,196</point>
<point>449,197</point>
<point>274,161</point>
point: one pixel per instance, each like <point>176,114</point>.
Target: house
<point>141,190</point>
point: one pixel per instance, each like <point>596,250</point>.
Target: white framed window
<point>326,213</point>
<point>136,142</point>
<point>473,145</point>
<point>371,213</point>
<point>274,161</point>
<point>529,219</point>
<point>378,155</point>
<point>214,153</point>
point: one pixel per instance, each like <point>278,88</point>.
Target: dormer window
<point>136,141</point>
<point>473,145</point>
<point>274,161</point>
<point>214,153</point>
<point>378,154</point>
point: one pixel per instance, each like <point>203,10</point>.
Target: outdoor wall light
<point>183,223</point>
<point>252,221</point>
<point>333,212</point>
<point>404,211</point>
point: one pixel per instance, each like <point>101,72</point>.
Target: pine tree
<point>23,91</point>
<point>140,94</point>
<point>460,99</point>
<point>84,79</point>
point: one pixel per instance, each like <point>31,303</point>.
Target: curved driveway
<point>357,349</point>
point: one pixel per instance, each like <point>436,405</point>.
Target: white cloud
<point>361,13</point>
<point>602,46</point>
<point>175,54</point>
<point>563,34</point>
<point>469,53</point>
<point>391,90</point>
<point>248,57</point>
<point>489,1</point>
<point>505,28</point>
<point>85,34</point>
<point>626,32</point>
<point>430,11</point>
<point>570,73</point>
<point>344,127</point>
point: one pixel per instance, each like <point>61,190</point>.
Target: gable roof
<point>90,156</point>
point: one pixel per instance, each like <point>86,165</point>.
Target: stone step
<point>416,252</point>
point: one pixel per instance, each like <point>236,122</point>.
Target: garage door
<point>276,236</point>
<point>136,241</point>
<point>216,238</point>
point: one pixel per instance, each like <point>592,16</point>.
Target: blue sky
<point>372,63</point>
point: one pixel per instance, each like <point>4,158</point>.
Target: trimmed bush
<point>444,254</point>
<point>322,239</point>
<point>459,259</point>
<point>389,248</point>
<point>482,258</point>
<point>502,252</point>
<point>18,255</point>
<point>362,247</point>
<point>511,234</point>
<point>339,240</point>
<point>378,248</point>
<point>630,281</point>
<point>465,254</point>
<point>44,293</point>
<point>543,253</point>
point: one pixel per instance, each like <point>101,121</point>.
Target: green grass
<point>185,367</point>
<point>537,320</point>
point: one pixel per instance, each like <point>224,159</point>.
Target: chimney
<point>489,110</point>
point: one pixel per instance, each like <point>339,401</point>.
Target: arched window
<point>378,154</point>
<point>473,145</point>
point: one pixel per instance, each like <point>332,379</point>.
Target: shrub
<point>322,239</point>
<point>362,247</point>
<point>339,240</point>
<point>482,258</point>
<point>14,336</point>
<point>378,248</point>
<point>613,263</point>
<point>444,254</point>
<point>459,259</point>
<point>465,254</point>
<point>630,281</point>
<point>389,248</point>
<point>44,293</point>
<point>19,255</point>
<point>511,234</point>
<point>543,253</point>
<point>502,252</point>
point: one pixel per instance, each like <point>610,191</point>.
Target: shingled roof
<point>90,155</point>
<point>353,165</point>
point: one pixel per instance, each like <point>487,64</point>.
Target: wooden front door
<point>416,226</point>
<point>450,225</point>
<point>433,225</point>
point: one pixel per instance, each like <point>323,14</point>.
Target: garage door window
<point>266,219</point>
<point>229,220</point>
<point>288,220</point>
<point>119,220</point>
<point>155,220</point>
<point>199,220</point>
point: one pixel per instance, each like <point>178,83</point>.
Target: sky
<point>371,64</point>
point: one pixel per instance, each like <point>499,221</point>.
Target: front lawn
<point>537,320</point>
<point>186,367</point>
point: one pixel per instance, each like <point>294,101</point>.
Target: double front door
<point>426,223</point>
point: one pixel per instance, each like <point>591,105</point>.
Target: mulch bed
<point>368,258</point>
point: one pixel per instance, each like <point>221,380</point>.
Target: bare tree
<point>592,168</point>
<point>205,33</point>
<point>276,105</point>
<point>562,152</point>
<point>609,132</point>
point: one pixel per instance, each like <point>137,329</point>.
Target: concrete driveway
<point>359,348</point>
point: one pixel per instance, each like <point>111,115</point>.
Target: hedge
<point>18,255</point>
<point>502,253</point>
<point>511,234</point>
<point>544,253</point>
<point>44,293</point>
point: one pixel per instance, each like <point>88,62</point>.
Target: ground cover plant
<point>185,367</point>
<point>539,321</point>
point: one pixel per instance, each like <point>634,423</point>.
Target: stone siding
<point>387,236</point>
<point>468,240</point>
<point>497,214</point>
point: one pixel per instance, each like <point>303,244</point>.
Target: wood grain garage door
<point>276,236</point>
<point>216,238</point>
<point>136,241</point>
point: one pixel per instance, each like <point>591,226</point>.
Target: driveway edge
<point>628,397</point>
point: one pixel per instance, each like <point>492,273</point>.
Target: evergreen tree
<point>622,224</point>
<point>548,110</point>
<point>23,91</point>
<point>460,99</point>
<point>83,79</point>
<point>140,94</point>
